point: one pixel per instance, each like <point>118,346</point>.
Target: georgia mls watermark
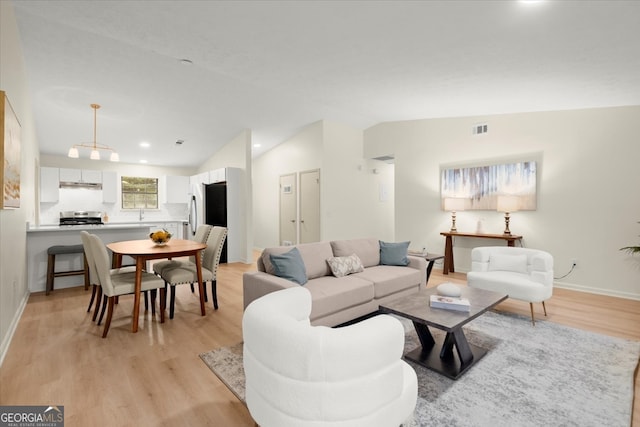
<point>31,416</point>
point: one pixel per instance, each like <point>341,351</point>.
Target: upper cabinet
<point>176,189</point>
<point>81,175</point>
<point>218,175</point>
<point>109,187</point>
<point>49,185</point>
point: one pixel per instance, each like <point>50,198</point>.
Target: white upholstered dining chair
<point>183,272</point>
<point>114,283</point>
<point>201,236</point>
<point>96,289</point>
<point>298,375</point>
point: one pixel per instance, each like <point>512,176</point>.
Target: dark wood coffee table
<point>438,354</point>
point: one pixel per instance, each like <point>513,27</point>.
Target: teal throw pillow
<point>394,253</point>
<point>289,266</point>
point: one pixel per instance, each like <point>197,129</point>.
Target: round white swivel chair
<point>298,375</point>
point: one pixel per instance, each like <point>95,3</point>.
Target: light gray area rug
<point>547,375</point>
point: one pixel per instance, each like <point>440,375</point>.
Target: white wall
<point>349,199</point>
<point>588,204</point>
<point>351,206</point>
<point>299,153</point>
<point>14,289</point>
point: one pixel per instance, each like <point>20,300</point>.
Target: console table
<point>448,247</point>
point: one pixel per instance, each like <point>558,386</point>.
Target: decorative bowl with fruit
<point>160,237</point>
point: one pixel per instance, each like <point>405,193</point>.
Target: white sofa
<point>298,375</point>
<point>337,300</point>
<point>522,273</point>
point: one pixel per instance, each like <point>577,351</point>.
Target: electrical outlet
<point>574,262</point>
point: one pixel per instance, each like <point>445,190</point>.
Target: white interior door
<point>310,206</point>
<point>288,210</point>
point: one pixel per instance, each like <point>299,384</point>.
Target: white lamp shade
<point>114,157</point>
<point>454,204</point>
<point>508,203</point>
<point>95,155</point>
<point>73,153</point>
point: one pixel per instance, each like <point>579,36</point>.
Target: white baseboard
<point>597,291</point>
<point>6,341</point>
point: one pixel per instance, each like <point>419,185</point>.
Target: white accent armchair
<point>522,273</point>
<point>300,375</point>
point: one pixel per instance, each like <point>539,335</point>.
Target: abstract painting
<point>9,154</point>
<point>480,186</point>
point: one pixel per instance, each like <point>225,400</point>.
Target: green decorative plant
<point>631,249</point>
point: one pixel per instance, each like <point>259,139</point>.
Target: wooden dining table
<point>145,250</point>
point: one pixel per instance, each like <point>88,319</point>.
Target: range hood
<point>90,185</point>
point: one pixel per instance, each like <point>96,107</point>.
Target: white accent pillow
<point>345,265</point>
<point>515,263</point>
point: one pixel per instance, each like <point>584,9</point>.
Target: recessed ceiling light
<point>257,145</point>
<point>143,161</point>
<point>145,144</point>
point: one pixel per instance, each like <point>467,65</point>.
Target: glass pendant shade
<point>73,153</point>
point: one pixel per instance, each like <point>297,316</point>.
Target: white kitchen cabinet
<point>217,175</point>
<point>91,176</point>
<point>81,175</point>
<point>49,185</point>
<point>109,187</point>
<point>176,189</point>
<point>70,175</point>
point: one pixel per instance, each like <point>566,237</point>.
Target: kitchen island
<point>39,238</point>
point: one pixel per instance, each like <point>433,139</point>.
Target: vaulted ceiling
<point>275,66</point>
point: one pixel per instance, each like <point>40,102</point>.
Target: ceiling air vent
<point>480,128</point>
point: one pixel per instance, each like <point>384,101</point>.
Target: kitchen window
<point>139,193</point>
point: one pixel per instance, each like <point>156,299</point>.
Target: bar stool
<point>51,264</point>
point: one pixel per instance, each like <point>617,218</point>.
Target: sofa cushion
<point>289,266</point>
<point>389,279</point>
<point>515,263</point>
<point>394,253</point>
<point>344,265</point>
<point>368,250</point>
<point>332,294</point>
<point>314,256</point>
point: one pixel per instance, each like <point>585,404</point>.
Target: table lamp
<point>453,205</point>
<point>508,204</point>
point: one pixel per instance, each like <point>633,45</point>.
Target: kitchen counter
<point>91,228</point>
<point>40,238</point>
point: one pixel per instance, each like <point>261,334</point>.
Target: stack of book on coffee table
<point>450,303</point>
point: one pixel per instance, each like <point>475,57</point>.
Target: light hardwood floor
<point>155,377</point>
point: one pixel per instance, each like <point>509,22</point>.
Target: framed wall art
<point>481,185</point>
<point>9,154</point>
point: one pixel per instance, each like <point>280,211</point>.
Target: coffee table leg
<point>462,346</point>
<point>447,347</point>
<point>426,339</point>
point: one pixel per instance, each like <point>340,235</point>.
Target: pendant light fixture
<point>95,147</point>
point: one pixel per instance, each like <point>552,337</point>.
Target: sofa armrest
<point>257,283</point>
<point>420,264</point>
